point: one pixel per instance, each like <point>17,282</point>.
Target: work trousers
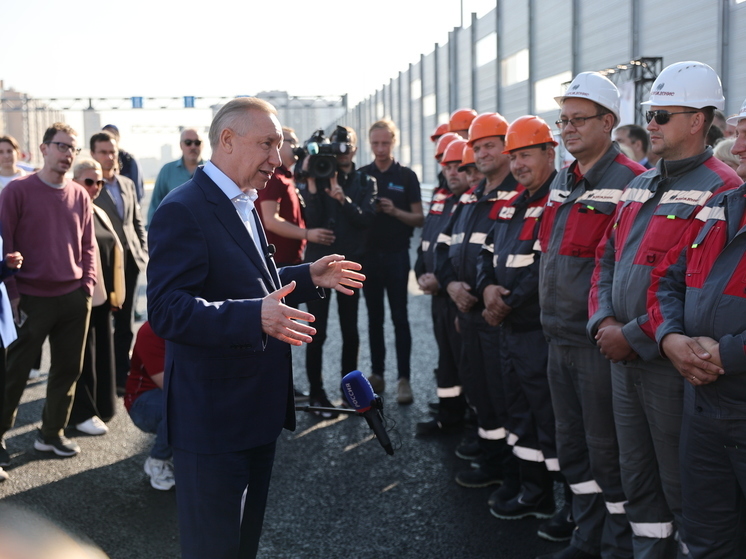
<point>531,423</point>
<point>587,447</point>
<point>449,386</point>
<point>388,272</point>
<point>648,402</point>
<point>713,481</point>
<point>65,320</point>
<point>347,307</point>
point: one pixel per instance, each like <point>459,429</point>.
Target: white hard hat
<point>687,84</point>
<point>735,119</point>
<point>594,87</point>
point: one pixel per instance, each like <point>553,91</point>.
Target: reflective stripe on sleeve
<point>457,239</point>
<point>450,392</point>
<point>491,434</point>
<point>652,529</point>
<point>477,238</point>
<point>585,487</point>
<point>425,245</point>
<point>445,239</point>
<point>512,439</point>
<point>519,260</point>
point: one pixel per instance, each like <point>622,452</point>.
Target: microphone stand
<point>311,409</point>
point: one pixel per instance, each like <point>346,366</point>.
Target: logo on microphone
<point>351,396</point>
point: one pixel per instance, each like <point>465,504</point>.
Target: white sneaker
<point>34,374</point>
<point>93,426</point>
<point>3,475</point>
<point>161,473</point>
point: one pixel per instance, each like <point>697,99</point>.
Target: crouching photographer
<point>340,198</point>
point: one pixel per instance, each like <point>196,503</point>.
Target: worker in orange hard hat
<point>507,279</point>
<point>451,403</point>
<point>469,166</point>
<point>456,258</point>
<point>460,121</point>
<point>439,131</point>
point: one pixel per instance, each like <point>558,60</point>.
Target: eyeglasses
<point>662,117</point>
<point>188,143</point>
<point>64,148</point>
<point>576,122</point>
<point>91,182</point>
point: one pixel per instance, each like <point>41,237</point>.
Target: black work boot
<point>560,527</point>
<point>536,497</point>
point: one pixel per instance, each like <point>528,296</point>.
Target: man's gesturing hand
<point>334,272</point>
<point>279,320</point>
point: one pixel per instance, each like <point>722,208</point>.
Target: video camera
<point>323,154</point>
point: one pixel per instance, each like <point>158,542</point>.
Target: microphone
<point>359,394</point>
<point>270,251</point>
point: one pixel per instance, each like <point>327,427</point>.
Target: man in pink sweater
<point>48,219</point>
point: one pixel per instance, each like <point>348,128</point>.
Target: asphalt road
<point>335,493</point>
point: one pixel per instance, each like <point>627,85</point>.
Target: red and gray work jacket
<point>576,216</point>
<point>652,216</point>
<point>700,290</point>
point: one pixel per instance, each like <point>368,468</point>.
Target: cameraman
<point>281,212</point>
<point>344,204</point>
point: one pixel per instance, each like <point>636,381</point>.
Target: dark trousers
<point>388,272</point>
<point>95,391</point>
<point>713,480</point>
<point>648,407</point>
<point>450,388</point>
<point>347,306</point>
<point>65,320</point>
<point>123,323</point>
<point>221,500</point>
<point>587,447</point>
<point>529,403</point>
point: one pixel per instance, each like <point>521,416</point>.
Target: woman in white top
<point>9,152</point>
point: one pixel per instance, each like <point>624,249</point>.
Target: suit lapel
<point>227,215</point>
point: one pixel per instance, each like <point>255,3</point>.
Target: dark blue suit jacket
<point>228,385</point>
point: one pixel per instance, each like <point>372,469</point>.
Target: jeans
<point>147,414</point>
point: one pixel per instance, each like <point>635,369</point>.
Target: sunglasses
<point>91,182</point>
<point>662,117</point>
<point>189,143</point>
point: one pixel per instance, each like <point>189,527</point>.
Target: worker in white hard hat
<point>582,201</point>
<point>699,299</point>
<point>653,214</point>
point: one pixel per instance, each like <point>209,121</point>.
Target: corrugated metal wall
<point>552,37</point>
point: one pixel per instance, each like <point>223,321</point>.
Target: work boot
<point>510,488</point>
<point>560,527</point>
<point>404,392</point>
<point>536,497</point>
<point>469,449</point>
<point>377,383</point>
<point>433,428</point>
<point>478,477</point>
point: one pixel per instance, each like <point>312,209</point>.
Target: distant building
<point>26,119</point>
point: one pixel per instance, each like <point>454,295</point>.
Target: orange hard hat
<point>443,142</point>
<point>528,131</point>
<point>461,119</point>
<point>439,131</point>
<point>467,157</point>
<point>486,125</point>
<point>453,152</point>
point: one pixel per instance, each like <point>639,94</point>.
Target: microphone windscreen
<point>358,391</point>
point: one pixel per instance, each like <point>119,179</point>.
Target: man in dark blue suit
<point>215,295</point>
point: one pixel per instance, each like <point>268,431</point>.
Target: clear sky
<point>218,48</point>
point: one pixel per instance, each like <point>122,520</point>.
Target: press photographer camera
<point>322,154</point>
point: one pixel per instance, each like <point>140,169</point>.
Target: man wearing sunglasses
<point>177,172</point>
<point>652,215</point>
<point>119,200</point>
<point>581,204</point>
<point>696,304</point>
<point>50,219</point>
